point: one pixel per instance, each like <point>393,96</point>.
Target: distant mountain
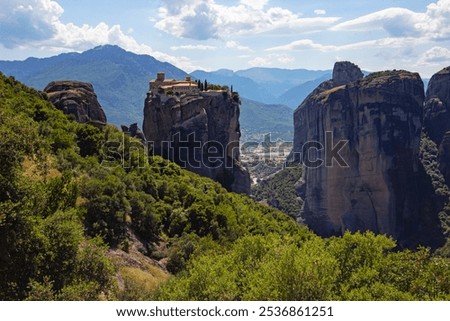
<point>120,78</point>
<point>278,81</point>
<point>295,95</point>
<point>246,87</point>
<point>268,85</point>
<point>258,119</point>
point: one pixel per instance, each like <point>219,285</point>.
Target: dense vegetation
<point>279,190</point>
<point>436,195</point>
<point>75,198</point>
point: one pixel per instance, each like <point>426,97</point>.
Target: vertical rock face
<point>437,106</point>
<point>379,118</point>
<point>345,72</point>
<point>76,98</point>
<point>437,117</point>
<point>199,132</point>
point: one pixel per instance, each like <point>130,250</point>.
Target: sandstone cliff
<point>200,132</point>
<point>380,118</point>
<point>76,98</point>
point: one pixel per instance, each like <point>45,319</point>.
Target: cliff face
<point>437,117</point>
<point>379,118</point>
<point>199,132</point>
<point>437,106</point>
<point>76,98</point>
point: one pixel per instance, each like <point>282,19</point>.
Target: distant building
<point>161,85</point>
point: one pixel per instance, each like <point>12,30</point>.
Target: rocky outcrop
<point>437,106</point>
<point>76,98</point>
<point>134,131</point>
<point>199,132</point>
<point>437,117</point>
<point>378,120</point>
<point>345,72</point>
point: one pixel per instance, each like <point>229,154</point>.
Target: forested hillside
<point>77,200</point>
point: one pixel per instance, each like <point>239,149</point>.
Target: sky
<point>237,34</point>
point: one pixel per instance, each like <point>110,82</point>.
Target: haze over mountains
<point>120,79</point>
<point>268,85</point>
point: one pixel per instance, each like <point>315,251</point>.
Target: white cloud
<point>433,24</point>
<point>37,24</point>
<point>398,22</point>
<point>231,44</point>
<point>70,37</point>
<point>285,59</point>
<point>436,23</point>
<point>193,47</point>
<point>303,44</point>
<point>206,19</point>
<point>308,44</point>
<point>268,60</point>
<point>255,4</point>
<point>260,62</point>
<point>320,12</point>
<point>435,56</point>
<point>27,20</point>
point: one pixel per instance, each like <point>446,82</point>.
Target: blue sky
<point>237,34</point>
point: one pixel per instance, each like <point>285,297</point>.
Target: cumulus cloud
<point>435,56</point>
<point>436,23</point>
<point>37,24</point>
<point>260,62</point>
<point>27,20</point>
<point>206,19</point>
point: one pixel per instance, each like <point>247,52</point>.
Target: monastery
<point>161,85</point>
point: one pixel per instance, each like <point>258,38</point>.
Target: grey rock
<point>76,98</point>
<point>200,133</point>
<point>380,119</point>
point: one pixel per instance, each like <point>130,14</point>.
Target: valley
<point>89,212</point>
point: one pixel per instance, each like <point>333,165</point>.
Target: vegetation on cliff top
<point>70,193</point>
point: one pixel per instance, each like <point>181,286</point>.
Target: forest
<point>75,198</point>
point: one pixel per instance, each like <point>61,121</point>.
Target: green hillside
<point>120,78</point>
<point>258,119</point>
<point>86,215</point>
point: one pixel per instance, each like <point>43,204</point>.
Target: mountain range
<point>269,85</point>
<point>120,79</point>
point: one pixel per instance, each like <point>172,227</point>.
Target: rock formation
<point>437,117</point>
<point>76,98</point>
<point>437,106</point>
<point>134,131</point>
<point>378,119</point>
<point>200,132</point>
